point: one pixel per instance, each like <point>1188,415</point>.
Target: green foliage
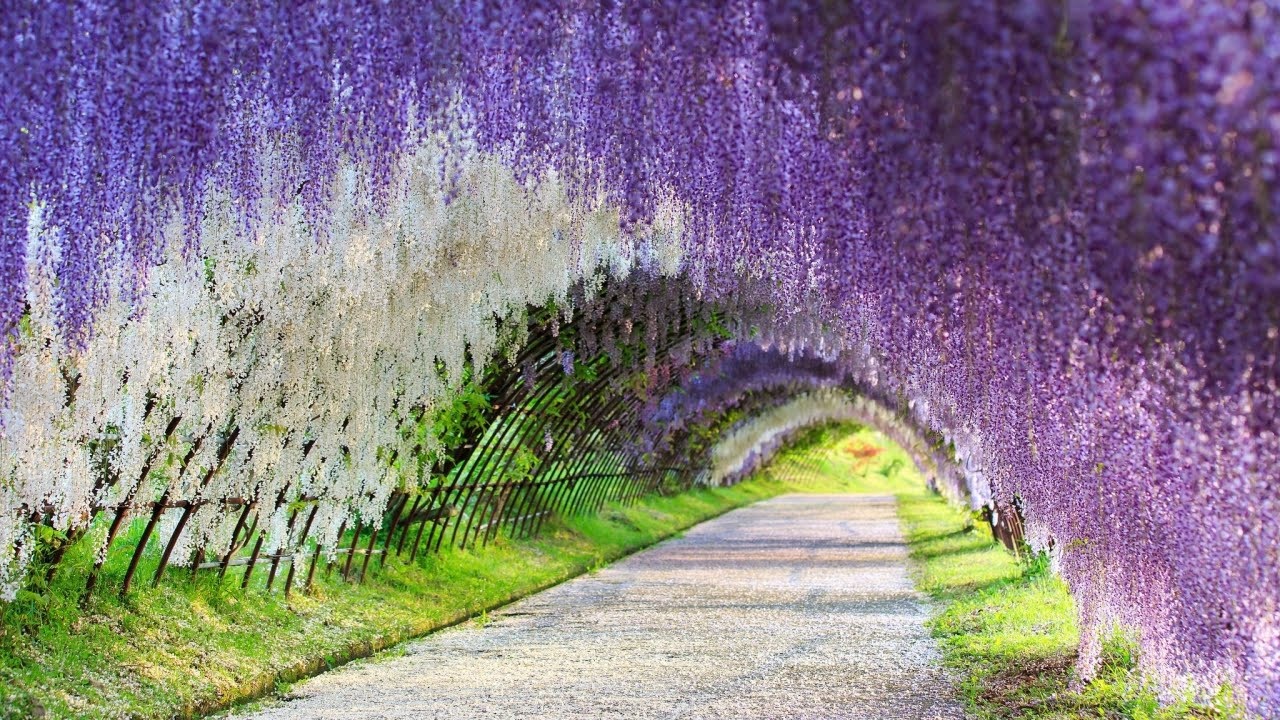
<point>714,326</point>
<point>524,461</point>
<point>465,414</point>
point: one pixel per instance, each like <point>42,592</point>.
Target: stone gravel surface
<point>797,607</point>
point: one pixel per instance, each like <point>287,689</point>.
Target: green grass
<point>1008,629</point>
<point>192,646</point>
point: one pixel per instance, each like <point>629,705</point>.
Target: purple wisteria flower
<point>1046,231</point>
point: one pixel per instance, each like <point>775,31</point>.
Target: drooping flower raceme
<point>286,338</point>
<point>745,447</point>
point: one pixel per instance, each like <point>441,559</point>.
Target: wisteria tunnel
<point>292,291</point>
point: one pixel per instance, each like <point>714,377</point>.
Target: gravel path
<point>797,607</point>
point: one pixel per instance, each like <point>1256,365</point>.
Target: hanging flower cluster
<point>1044,233</point>
<point>729,378</point>
<point>316,353</point>
<point>753,442</point>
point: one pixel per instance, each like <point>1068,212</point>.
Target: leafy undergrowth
<point>1008,629</point>
<point>192,646</point>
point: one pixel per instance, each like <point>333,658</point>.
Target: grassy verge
<point>193,646</point>
<point>1008,629</point>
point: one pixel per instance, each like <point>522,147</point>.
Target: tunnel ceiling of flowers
<point>307,244</point>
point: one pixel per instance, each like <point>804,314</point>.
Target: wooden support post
<point>235,537</point>
<point>293,564</point>
<point>275,559</point>
<point>351,552</point>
